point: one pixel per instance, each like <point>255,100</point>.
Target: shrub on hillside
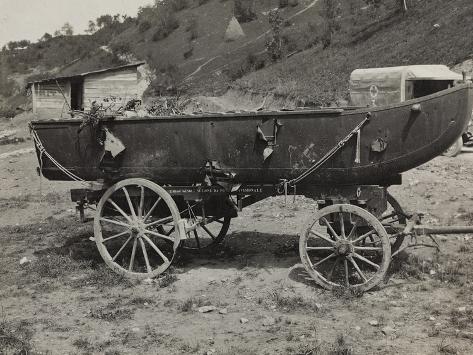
<point>144,26</point>
<point>244,10</point>
<point>120,48</point>
<point>192,28</point>
<point>7,112</point>
<point>274,43</point>
<point>164,29</point>
<point>178,5</point>
<point>7,86</point>
<point>167,80</point>
<point>165,22</point>
<point>283,3</point>
<point>188,53</point>
<point>251,63</point>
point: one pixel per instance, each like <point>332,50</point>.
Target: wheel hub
<point>137,228</point>
<point>344,248</point>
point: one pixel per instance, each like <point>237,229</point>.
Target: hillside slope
<point>431,32</point>
<point>193,56</point>
<point>194,48</point>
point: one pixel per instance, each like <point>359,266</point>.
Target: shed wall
<point>120,87</point>
<point>49,102</point>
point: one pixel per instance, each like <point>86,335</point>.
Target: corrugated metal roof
<point>81,75</point>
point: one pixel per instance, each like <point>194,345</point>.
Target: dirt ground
<point>64,300</point>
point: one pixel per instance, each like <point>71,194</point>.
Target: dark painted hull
<point>173,150</point>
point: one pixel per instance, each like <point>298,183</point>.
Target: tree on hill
<point>91,28</point>
<point>67,29</point>
<point>12,45</point>
<point>46,37</point>
<point>104,20</point>
<point>274,43</point>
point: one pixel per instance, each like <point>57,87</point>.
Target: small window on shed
<point>428,87</point>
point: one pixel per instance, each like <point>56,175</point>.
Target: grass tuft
<point>15,338</point>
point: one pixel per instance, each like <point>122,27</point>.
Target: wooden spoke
<point>219,221</point>
<point>130,205</point>
<point>342,226</point>
<point>353,230</point>
<point>159,235</point>
<point>160,253</point>
<point>160,221</point>
<point>369,262</point>
<point>321,236</point>
<point>133,253</point>
<point>152,209</point>
<point>357,268</point>
<point>123,247</point>
<point>325,259</point>
<point>208,232</point>
<point>319,248</point>
<point>332,270</point>
<point>145,254</point>
<point>369,248</point>
<point>115,236</point>
<point>327,223</point>
<point>347,281</point>
<point>119,209</point>
<point>142,202</point>
<point>364,236</point>
<point>112,221</point>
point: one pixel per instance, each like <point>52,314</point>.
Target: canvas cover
<point>384,86</point>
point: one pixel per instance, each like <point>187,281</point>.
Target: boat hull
<point>174,150</point>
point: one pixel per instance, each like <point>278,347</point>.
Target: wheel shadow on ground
<point>244,249</point>
<point>239,250</point>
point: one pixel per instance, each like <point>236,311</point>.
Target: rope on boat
<point>283,187</point>
<point>42,151</point>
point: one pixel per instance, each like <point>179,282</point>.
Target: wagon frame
<point>141,221</point>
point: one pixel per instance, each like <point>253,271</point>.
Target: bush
<point>283,3</point>
<point>188,53</point>
<point>120,48</point>
<point>144,26</point>
<point>243,10</point>
<point>192,28</point>
<point>7,112</point>
<point>178,5</point>
<point>167,23</point>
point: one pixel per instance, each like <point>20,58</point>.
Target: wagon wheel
<point>345,262</point>
<point>123,230</point>
<point>394,215</point>
<point>203,233</point>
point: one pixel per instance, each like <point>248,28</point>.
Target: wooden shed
<point>53,98</point>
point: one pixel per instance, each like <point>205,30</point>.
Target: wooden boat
<point>262,147</point>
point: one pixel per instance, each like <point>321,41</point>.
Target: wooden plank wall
<point>48,101</point>
<point>121,86</point>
